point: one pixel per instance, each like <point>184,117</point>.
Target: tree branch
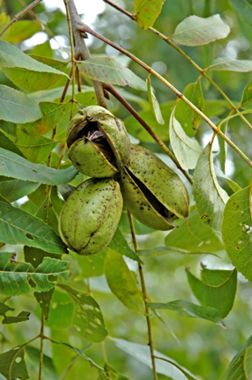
<point>86,29</point>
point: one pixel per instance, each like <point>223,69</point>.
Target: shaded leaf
<point>32,359</point>
<point>240,366</point>
<point>209,196</point>
<point>237,230</point>
<point>189,309</point>
<point>13,189</point>
<point>12,165</point>
<point>244,8</point>
<point>19,227</point>
<point>229,64</point>
<point>216,289</point>
<point>198,31</point>
<point>247,96</point>
<point>26,72</point>
<point>186,149</point>
<point>164,364</point>
<point>147,11</point>
<point>154,102</point>
<point>12,364</point>
<point>188,118</point>
<point>120,245</point>
<point>108,70</point>
<point>88,319</point>
<point>61,311</point>
<point>122,281</point>
<point>20,278</point>
<point>26,109</point>
<point>193,235</point>
<point>44,301</point>
<point>21,317</point>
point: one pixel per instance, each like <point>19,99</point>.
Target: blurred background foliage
<point>203,347</point>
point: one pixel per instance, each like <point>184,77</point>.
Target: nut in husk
<point>98,142</point>
<point>90,215</point>
<point>152,191</point>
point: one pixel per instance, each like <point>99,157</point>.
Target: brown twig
<point>86,29</point>
<point>188,58</point>
<point>20,15</point>
<point>145,299</point>
<point>82,52</point>
<point>146,126</point>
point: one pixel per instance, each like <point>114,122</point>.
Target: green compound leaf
<point>147,11</point>
<point>237,230</point>
<point>20,227</point>
<point>12,165</point>
<point>229,64</point>
<point>12,364</point>
<point>209,196</point>
<point>20,278</point>
<point>26,109</point>
<point>198,31</point>
<point>122,281</point>
<point>216,289</point>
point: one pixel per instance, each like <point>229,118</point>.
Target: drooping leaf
<point>120,245</point>
<point>20,278</point>
<point>44,301</point>
<point>33,356</point>
<point>12,165</point>
<point>198,31</point>
<point>237,230</point>
<point>240,366</point>
<point>165,365</point>
<point>88,319</point>
<point>26,109</point>
<point>193,235</point>
<point>188,309</point>
<point>147,11</point>
<point>229,64</point>
<point>21,317</point>
<point>216,289</point>
<point>108,70</point>
<point>61,311</point>
<point>154,102</point>
<point>122,281</point>
<point>19,227</point>
<point>25,72</point>
<point>188,119</point>
<point>12,364</point>
<point>186,149</point>
<point>13,189</point>
<point>209,196</point>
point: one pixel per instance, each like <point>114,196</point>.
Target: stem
<point>146,126</point>
<point>73,66</point>
<point>20,15</point>
<point>145,299</point>
<point>86,29</point>
<point>41,348</point>
<point>188,58</point>
<point>82,52</point>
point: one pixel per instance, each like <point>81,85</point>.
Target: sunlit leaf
<point>186,149</point>
<point>61,312</point>
<point>26,109</point>
<point>26,72</point>
<point>147,11</point>
<point>240,367</point>
<point>19,227</point>
<point>21,30</point>
<point>108,70</point>
<point>122,282</point>
<point>12,165</point>
<point>229,64</point>
<point>210,197</point>
<point>193,235</point>
<point>198,31</point>
<point>165,365</point>
<point>216,289</point>
<point>154,102</point>
<point>88,319</point>
<point>237,230</point>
